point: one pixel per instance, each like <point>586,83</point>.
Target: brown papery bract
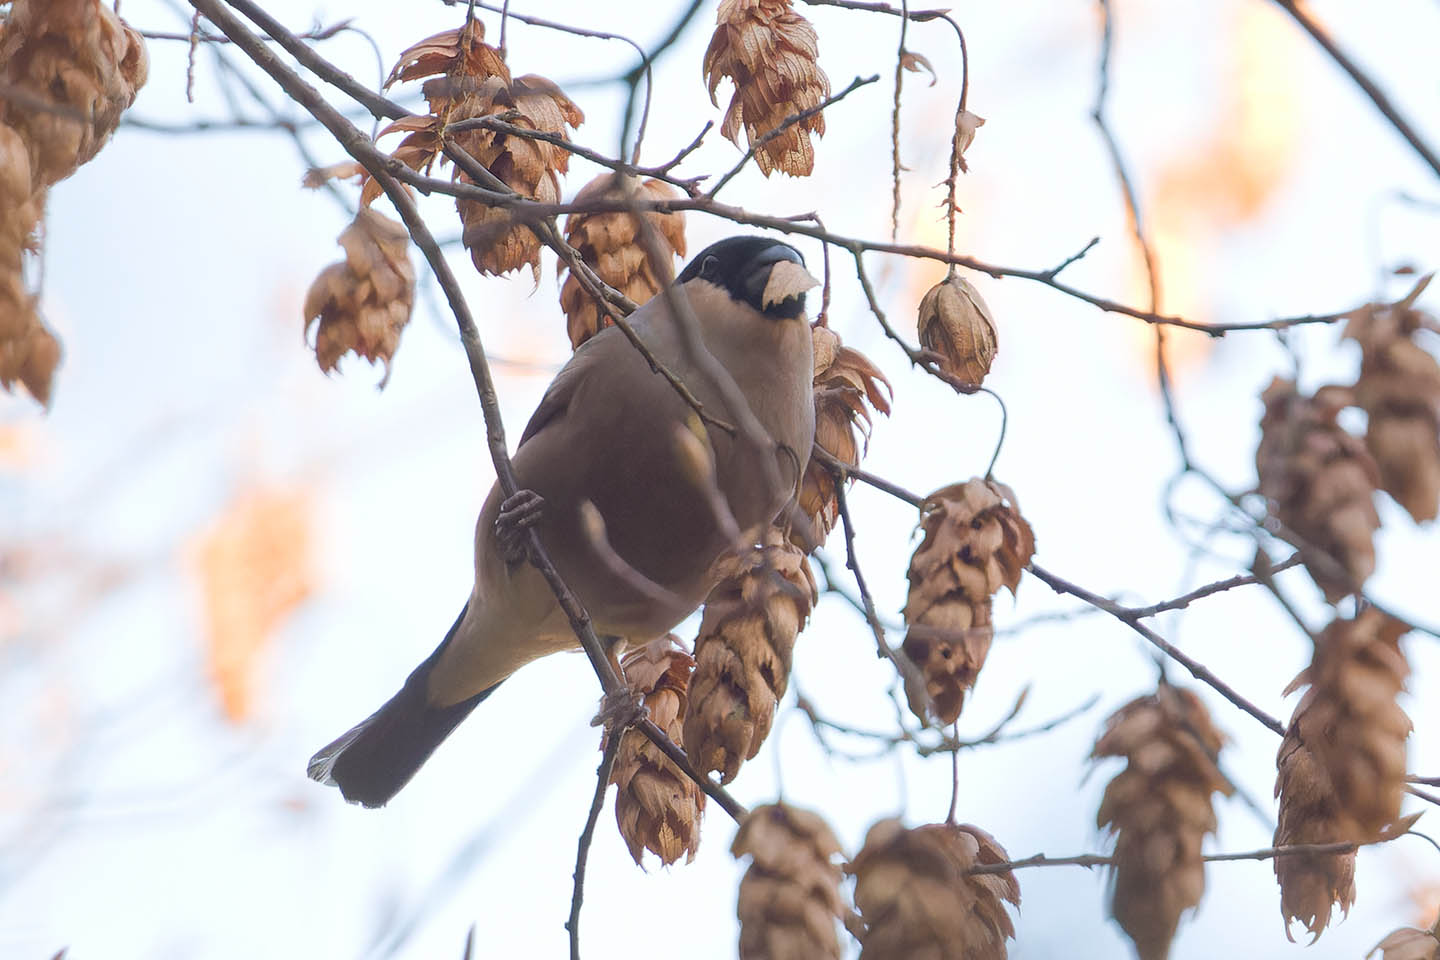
<point>1399,390</point>
<point>917,900</point>
<point>770,52</point>
<point>1159,808</point>
<point>1407,943</point>
<point>975,542</point>
<point>363,302</point>
<point>956,325</point>
<point>1351,723</point>
<point>84,60</point>
<point>469,79</point>
<point>1341,764</point>
<point>657,807</point>
<point>610,243</point>
<point>847,387</point>
<point>790,894</point>
<point>1320,482</point>
<point>743,652</point>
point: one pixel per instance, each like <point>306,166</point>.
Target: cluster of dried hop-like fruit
<point>847,387</point>
<point>1399,390</point>
<point>1341,763</point>
<point>770,52</point>
<point>363,302</point>
<point>611,244</point>
<point>468,79</point>
<point>1321,481</point>
<point>1160,809</point>
<point>790,894</point>
<point>743,652</point>
<point>73,67</point>
<point>975,542</point>
<point>918,898</point>
<point>657,807</point>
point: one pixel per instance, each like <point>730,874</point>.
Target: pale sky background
<point>137,821</point>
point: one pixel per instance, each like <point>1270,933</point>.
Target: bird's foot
<point>518,513</point>
<point>620,711</point>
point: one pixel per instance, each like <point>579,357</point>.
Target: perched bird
<point>607,441</point>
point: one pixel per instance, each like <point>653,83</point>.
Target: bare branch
<point>582,855</point>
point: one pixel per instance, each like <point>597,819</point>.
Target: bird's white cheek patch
<point>787,280</point>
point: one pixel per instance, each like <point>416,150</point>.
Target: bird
<point>621,510</point>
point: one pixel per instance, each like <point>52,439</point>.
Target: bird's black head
<point>741,266</point>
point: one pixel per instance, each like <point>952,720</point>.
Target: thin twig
<point>1101,860</point>
<point>1372,90</point>
<point>582,855</point>
<point>1137,227</point>
<point>786,124</point>
<point>900,55</point>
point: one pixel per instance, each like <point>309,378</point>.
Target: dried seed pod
<point>975,542</point>
<point>956,326</point>
<point>610,243</point>
<point>769,50</point>
<point>847,387</point>
<point>363,302</point>
<point>1350,722</point>
<point>1399,389</point>
<point>1311,885</point>
<point>20,203</point>
<point>1159,808</point>
<point>657,807</point>
<point>1407,943</point>
<point>790,894</point>
<point>918,900</point>
<point>468,80</point>
<point>1320,482</point>
<point>743,651</point>
<point>84,60</point>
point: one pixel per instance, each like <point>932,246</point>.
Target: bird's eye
<point>710,267</point>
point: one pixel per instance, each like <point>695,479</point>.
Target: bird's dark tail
<point>374,759</point>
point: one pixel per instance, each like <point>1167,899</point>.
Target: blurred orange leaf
<point>254,568</point>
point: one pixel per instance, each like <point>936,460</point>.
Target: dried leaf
<point>788,280</point>
<point>915,62</point>
<point>966,125</point>
<point>1407,943</point>
<point>254,569</point>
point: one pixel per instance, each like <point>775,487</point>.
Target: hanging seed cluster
<point>770,52</point>
<point>975,542</point>
<point>847,388</point>
<point>1399,390</point>
<point>611,244</point>
<point>465,79</point>
<point>363,303</point>
<point>1159,809</point>
<point>71,68</point>
<point>743,653</point>
<point>1342,762</point>
<point>917,898</point>
<point>1321,482</point>
<point>657,807</point>
<point>790,895</point>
